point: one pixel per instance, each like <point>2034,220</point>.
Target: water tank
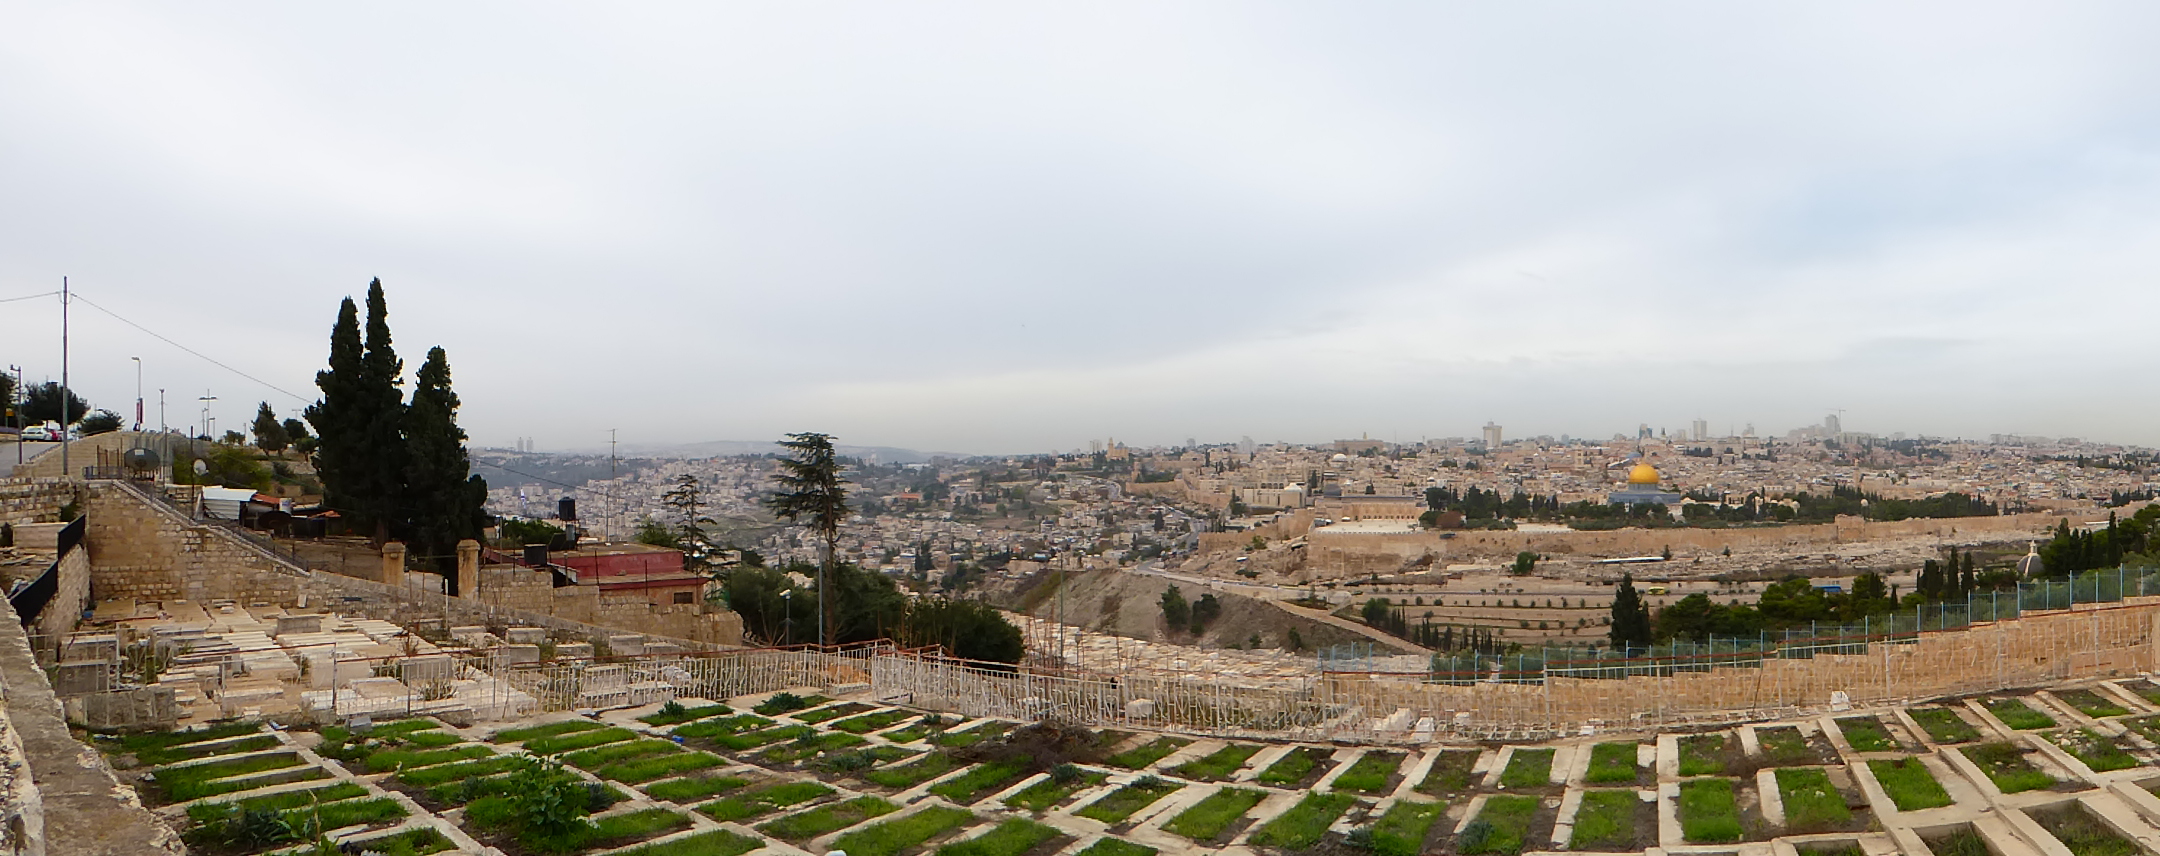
<point>535,555</point>
<point>566,508</point>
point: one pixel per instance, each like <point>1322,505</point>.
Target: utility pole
<point>610,518</point>
<point>64,423</point>
<point>138,393</point>
<point>15,399</point>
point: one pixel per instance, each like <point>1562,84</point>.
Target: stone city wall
<point>144,549</point>
<point>34,500</point>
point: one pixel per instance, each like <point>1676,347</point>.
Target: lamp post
<point>787,615</point>
<point>138,393</point>
<point>206,398</point>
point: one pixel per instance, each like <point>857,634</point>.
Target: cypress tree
<point>442,498</point>
<point>334,416</point>
<point>1630,617</point>
<point>1971,580</point>
<point>378,474</point>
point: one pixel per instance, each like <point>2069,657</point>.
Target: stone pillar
<point>468,569</point>
<point>393,564</point>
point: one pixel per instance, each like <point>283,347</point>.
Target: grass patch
<point>619,829</point>
<point>412,842</point>
<point>188,752</point>
<point>1402,831</point>
<point>825,714</point>
<point>696,787</point>
<point>1785,746</point>
<point>1708,812</point>
<point>1011,838</point>
<point>600,756</point>
<point>2091,703</point>
<point>781,703</point>
<point>1908,783</point>
<point>2019,715</point>
<point>1048,793</point>
<point>894,836</point>
<point>809,745</point>
<point>769,736</point>
<point>1208,819</point>
<point>717,726</point>
<point>913,773</point>
<point>2099,753</point>
<point>684,714</point>
<point>1293,768</point>
<point>1121,803</point>
<point>1866,734</point>
<point>520,735</point>
<point>1450,773</point>
<point>1371,773</point>
<point>580,740</point>
<point>2005,765</point>
<point>660,767</point>
<point>1117,847</point>
<point>827,818</point>
<point>428,777</point>
<point>1305,823</point>
<point>180,784</point>
<point>1500,828</point>
<point>1146,755</point>
<point>1963,842</point>
<point>745,806</point>
<point>207,812</point>
<point>980,782</point>
<point>924,727</point>
<point>1812,804</point>
<point>869,722</point>
<point>167,747</point>
<point>718,842</point>
<point>1528,768</point>
<point>1704,754</point>
<point>1611,763</point>
<point>1943,725</point>
<point>972,736</point>
<point>1605,821</point>
<point>1218,764</point>
<point>407,759</point>
<point>2083,833</point>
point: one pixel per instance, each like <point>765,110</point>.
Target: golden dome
<point>1643,474</point>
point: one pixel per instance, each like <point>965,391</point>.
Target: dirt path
<point>1357,627</point>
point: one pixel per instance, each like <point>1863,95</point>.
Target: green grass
<point>1121,803</point>
<point>619,829</point>
<point>826,818</point>
<point>517,735</point>
<point>1908,783</point>
<point>913,773</point>
<point>1605,820</point>
<point>427,777</point>
<point>1218,764</point>
<point>805,747</point>
<point>767,737</point>
<point>1704,754</point>
<point>1612,763</point>
<point>2091,703</point>
<point>696,787</point>
<point>1708,813</point>
<point>763,800</point>
<point>600,756</point>
<point>2018,715</point>
<point>1866,734</point>
<point>1450,773</point>
<point>1371,773</point>
<point>348,813</point>
<point>928,725</point>
<point>412,842</point>
<point>2005,765</point>
<point>1943,725</point>
<point>2083,833</point>
<point>180,784</point>
<point>1048,793</point>
<point>779,703</point>
<point>869,722</point>
<point>715,727</point>
<point>1305,823</point>
<point>1402,831</point>
<point>980,782</point>
<point>580,740</point>
<point>1528,768</point>
<point>647,769</point>
<point>407,759</point>
<point>1295,767</point>
<point>2147,689</point>
<point>1208,819</point>
<point>1145,755</point>
<point>1501,827</point>
<point>1963,842</point>
<point>829,713</point>
<point>718,842</point>
<point>1011,838</point>
<point>1116,847</point>
<point>688,714</point>
<point>2098,753</point>
<point>972,736</point>
<point>185,752</point>
<point>1784,746</point>
<point>1812,804</point>
<point>167,747</point>
<point>206,812</point>
<point>893,836</point>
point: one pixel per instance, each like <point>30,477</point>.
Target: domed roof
<point>1643,474</point>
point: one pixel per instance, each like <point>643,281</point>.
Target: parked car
<point>48,432</point>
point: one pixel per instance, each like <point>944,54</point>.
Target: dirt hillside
<point>1130,605</point>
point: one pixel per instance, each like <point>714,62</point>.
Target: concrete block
<point>380,688</point>
<point>473,635</point>
<point>626,646</point>
<point>427,669</point>
<point>654,649</point>
<point>298,624</point>
<point>574,651</point>
<point>517,654</point>
<point>525,635</point>
<point>80,678</point>
<point>143,709</point>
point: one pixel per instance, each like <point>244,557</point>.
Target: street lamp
<point>206,398</point>
<point>787,615</point>
<point>138,393</point>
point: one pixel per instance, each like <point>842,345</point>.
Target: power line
<point>28,297</point>
<point>205,357</point>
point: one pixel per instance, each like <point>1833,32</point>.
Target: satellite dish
<point>201,468</point>
<point>141,462</point>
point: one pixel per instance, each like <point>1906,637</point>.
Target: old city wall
<point>144,549</point>
<point>1354,552</point>
<point>2115,639</point>
<point>34,500</point>
<point>1288,526</point>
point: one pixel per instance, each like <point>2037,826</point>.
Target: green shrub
<point>1708,812</point>
<point>1305,823</point>
<point>426,777</point>
<point>211,811</point>
<point>764,800</point>
<point>169,746</point>
<point>600,756</point>
<point>713,727</point>
<point>680,714</point>
<point>781,703</point>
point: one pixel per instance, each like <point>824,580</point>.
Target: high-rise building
<point>1830,425</point>
<point>1702,431</point>
<point>1492,435</point>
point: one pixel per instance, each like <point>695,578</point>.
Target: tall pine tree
<point>442,500</point>
<point>336,450</point>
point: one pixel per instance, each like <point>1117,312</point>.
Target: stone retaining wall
<point>34,500</point>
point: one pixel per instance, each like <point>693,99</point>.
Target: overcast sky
<point>1014,227</point>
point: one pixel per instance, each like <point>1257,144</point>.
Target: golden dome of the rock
<point>1643,474</point>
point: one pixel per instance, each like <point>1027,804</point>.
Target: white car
<point>47,433</point>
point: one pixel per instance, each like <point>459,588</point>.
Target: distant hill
<point>720,448</point>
